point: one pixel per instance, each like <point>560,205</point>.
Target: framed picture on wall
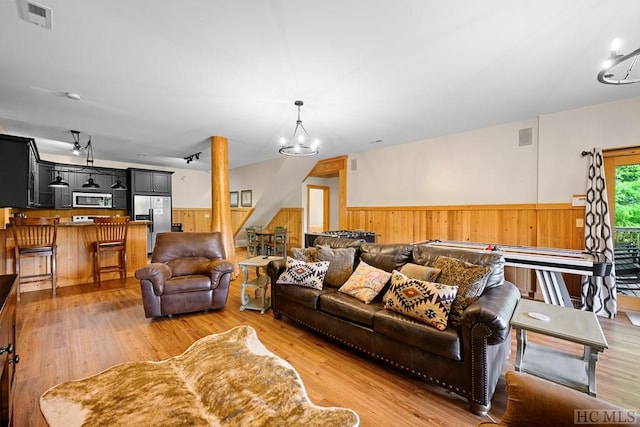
<point>233,199</point>
<point>245,198</point>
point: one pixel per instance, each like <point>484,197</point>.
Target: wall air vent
<point>35,13</point>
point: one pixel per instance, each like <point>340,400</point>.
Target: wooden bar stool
<point>111,236</point>
<point>35,237</point>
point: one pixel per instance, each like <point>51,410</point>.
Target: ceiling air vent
<point>35,13</point>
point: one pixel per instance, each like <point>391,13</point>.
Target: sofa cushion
<point>305,254</point>
<point>470,279</point>
<point>427,302</point>
<point>387,257</point>
<point>307,274</point>
<point>420,272</point>
<point>348,308</point>
<point>365,283</point>
<point>427,255</point>
<point>340,263</point>
<point>404,329</point>
<point>306,297</point>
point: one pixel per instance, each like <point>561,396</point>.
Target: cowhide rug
<point>227,379</point>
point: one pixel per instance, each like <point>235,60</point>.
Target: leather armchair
<point>534,402</point>
<point>188,272</point>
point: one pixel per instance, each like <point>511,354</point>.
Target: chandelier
<point>622,77</point>
<point>300,143</point>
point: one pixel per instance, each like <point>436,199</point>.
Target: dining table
<point>264,236</point>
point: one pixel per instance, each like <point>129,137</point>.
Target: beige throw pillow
<point>420,272</point>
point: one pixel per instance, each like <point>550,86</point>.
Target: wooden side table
<point>581,327</point>
<point>261,300</point>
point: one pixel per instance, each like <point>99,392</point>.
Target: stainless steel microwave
<point>92,200</point>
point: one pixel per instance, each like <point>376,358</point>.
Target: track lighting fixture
<point>195,156</point>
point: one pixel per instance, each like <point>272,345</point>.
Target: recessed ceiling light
<point>73,95</point>
<point>141,155</point>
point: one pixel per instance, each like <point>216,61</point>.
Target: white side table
<point>569,324</point>
<point>261,300</point>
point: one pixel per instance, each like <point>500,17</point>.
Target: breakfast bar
<point>74,254</point>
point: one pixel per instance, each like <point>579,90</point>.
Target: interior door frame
<point>325,205</point>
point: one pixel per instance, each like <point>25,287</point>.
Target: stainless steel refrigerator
<point>156,209</point>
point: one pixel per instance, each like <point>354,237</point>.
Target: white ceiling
<point>158,78</point>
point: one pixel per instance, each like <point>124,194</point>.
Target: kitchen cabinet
<point>150,182</point>
<point>62,195</point>
<point>45,194</point>
<point>18,172</point>
<point>120,198</point>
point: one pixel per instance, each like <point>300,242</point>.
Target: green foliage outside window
<point>627,196</point>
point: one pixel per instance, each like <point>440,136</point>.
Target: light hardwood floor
<point>84,330</point>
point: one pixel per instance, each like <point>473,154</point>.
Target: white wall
<point>562,171</point>
<point>190,188</point>
<point>476,167</point>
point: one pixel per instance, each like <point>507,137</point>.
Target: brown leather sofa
<point>534,402</point>
<point>467,359</point>
<point>188,272</point>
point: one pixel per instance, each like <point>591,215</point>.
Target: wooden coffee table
<point>580,327</point>
<point>260,301</point>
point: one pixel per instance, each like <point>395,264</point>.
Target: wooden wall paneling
<point>5,268</point>
<point>292,219</point>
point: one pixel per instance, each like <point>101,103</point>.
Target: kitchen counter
<point>75,255</point>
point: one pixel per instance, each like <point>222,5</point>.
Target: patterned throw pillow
<point>365,283</point>
<point>340,263</point>
<point>305,254</point>
<point>426,302</point>
<point>420,272</point>
<point>470,279</point>
<point>307,274</point>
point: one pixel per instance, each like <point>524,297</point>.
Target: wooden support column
<point>220,208</point>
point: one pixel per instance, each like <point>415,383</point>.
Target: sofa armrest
<point>217,269</point>
<point>494,309</point>
<point>157,273</point>
<point>274,270</point>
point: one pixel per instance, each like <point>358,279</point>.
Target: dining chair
<point>253,242</point>
<point>35,237</point>
<point>277,246</point>
<point>111,236</point>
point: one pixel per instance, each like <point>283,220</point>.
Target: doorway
<point>317,208</point>
<point>622,173</point>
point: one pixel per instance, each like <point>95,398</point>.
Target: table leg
<point>244,298</point>
<point>521,338</point>
<point>590,359</point>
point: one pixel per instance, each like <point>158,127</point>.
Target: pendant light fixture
<point>300,143</point>
<point>78,149</point>
<point>58,182</point>
<point>90,183</point>
<point>118,185</point>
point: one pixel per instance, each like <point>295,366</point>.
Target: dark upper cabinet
<point>46,174</point>
<point>150,182</point>
<point>18,172</point>
<point>62,195</point>
<point>120,199</point>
